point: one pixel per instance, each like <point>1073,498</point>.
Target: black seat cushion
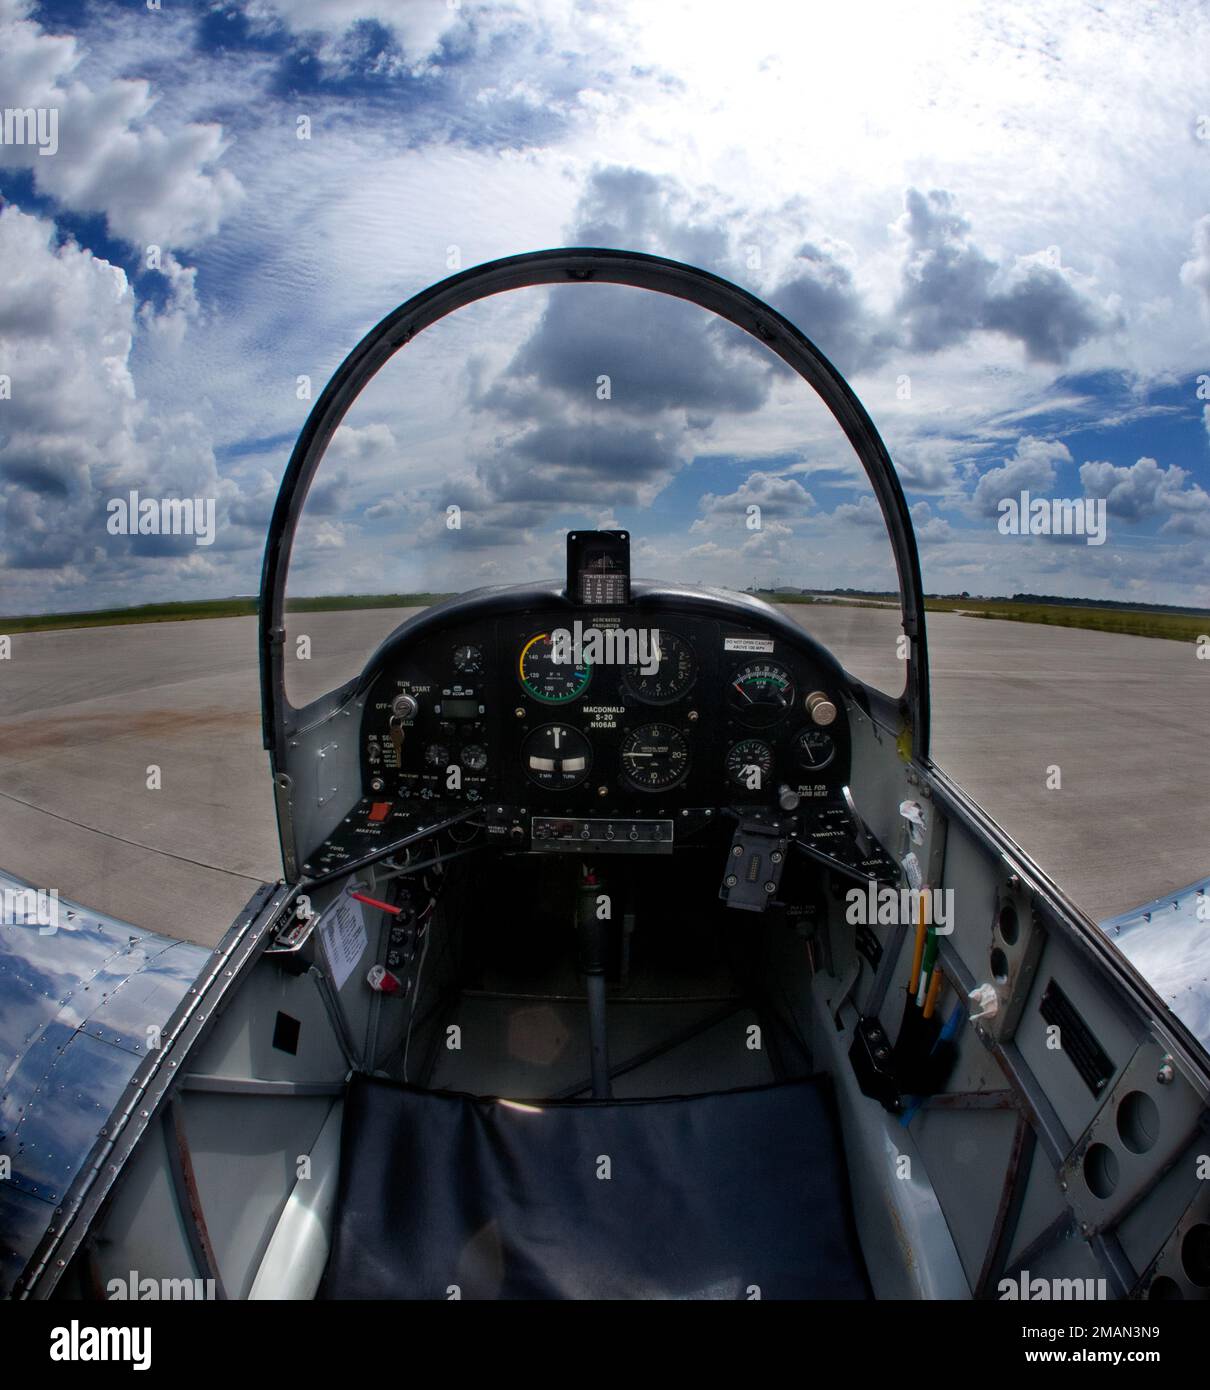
<point>735,1195</point>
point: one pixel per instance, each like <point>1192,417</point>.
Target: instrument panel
<point>576,712</point>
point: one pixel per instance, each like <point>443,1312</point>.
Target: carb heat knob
<point>820,708</point>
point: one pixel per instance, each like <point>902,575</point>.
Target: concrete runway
<point>84,713</point>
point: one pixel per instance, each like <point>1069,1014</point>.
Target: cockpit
<point>629,943</point>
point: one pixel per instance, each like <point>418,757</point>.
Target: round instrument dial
<point>556,756</point>
<point>655,757</point>
<point>761,692</point>
<point>437,755</point>
<point>552,682</point>
<point>750,765</point>
<point>675,670</point>
<point>474,757</point>
<point>468,658</point>
<point>814,749</point>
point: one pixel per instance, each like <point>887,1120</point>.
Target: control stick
<point>592,944</point>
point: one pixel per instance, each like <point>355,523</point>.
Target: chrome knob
<point>787,798</point>
<point>820,708</point>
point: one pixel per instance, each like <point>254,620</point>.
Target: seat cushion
<point>736,1195</point>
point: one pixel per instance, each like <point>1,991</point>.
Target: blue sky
<point>995,219</point>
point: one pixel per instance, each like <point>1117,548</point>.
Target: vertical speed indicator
<point>655,757</point>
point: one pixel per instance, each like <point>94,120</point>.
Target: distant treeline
<point>189,609</point>
<point>1124,605</point>
<point>1105,615</point>
<point>1106,603</point>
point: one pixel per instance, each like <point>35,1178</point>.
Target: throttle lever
<point>861,831</point>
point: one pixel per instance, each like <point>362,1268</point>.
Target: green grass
<point>1176,627</point>
<point>208,608</point>
<point>1179,627</point>
<point>1132,622</point>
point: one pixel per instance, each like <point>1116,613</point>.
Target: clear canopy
<point>530,413</point>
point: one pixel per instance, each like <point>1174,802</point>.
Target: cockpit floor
<point>537,1048</point>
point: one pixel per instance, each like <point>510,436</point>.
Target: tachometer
<point>655,757</point>
<point>750,764</point>
<point>761,692</point>
<point>673,675</point>
<point>543,678</point>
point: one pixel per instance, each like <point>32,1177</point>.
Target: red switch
<point>380,810</point>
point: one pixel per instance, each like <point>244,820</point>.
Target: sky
<point>994,219</point>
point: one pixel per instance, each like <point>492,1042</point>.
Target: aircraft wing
<point>1168,943</point>
<point>82,996</point>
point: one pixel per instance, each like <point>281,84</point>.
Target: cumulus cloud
<point>418,28</point>
<point>946,278</point>
<point>567,462</point>
<point>930,529</point>
<point>1144,489</point>
<point>74,431</point>
<point>1195,272</point>
<point>820,297</point>
<point>780,500</point>
<point>951,288</point>
<point>640,211</point>
<point>926,465</point>
<point>479,124</point>
<point>66,326</point>
<point>1031,467</point>
<point>168,323</point>
<point>658,354</point>
<point>152,185</point>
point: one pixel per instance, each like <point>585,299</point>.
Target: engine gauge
<point>552,682</point>
<point>468,658</point>
<point>750,765</point>
<point>814,749</point>
<point>437,755</point>
<point>655,757</point>
<point>556,756</point>
<point>761,692</point>
<point>674,674</point>
<point>474,757</point>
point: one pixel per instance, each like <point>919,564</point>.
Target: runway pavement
<point>85,714</point>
